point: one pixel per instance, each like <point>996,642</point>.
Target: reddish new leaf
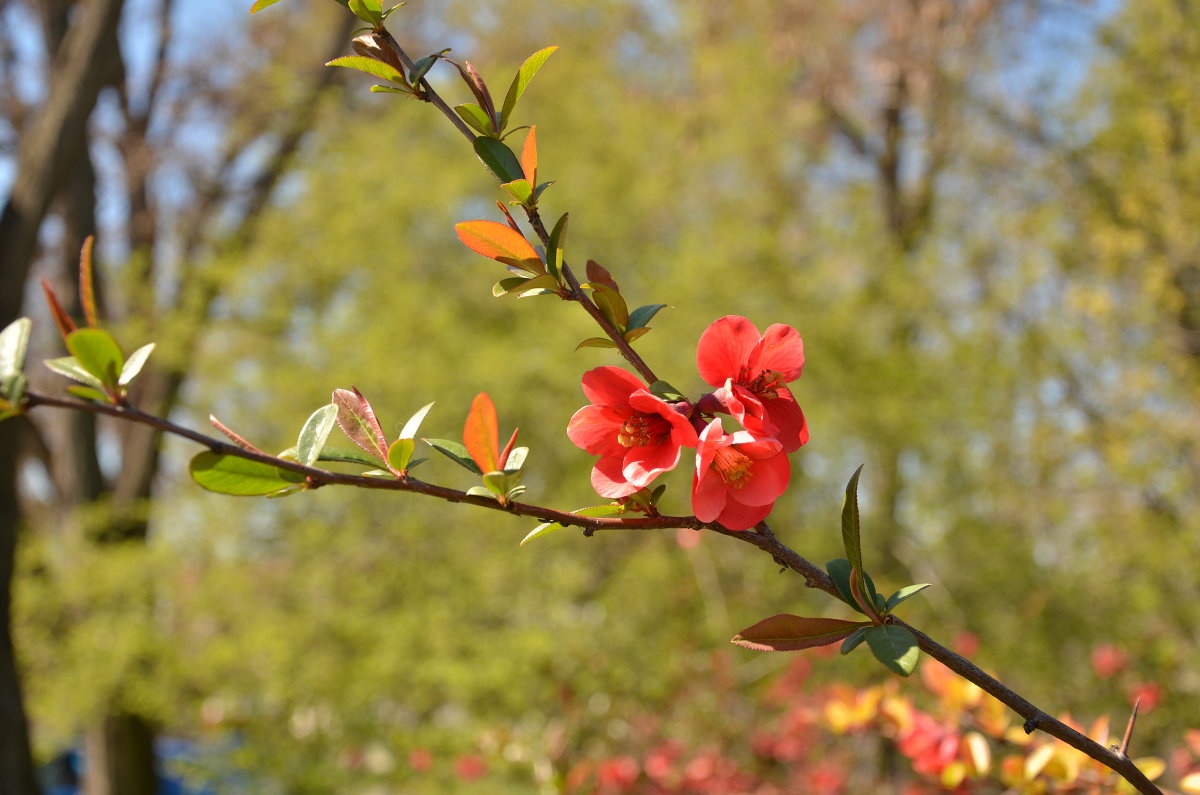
<point>481,434</point>
<point>87,284</point>
<point>790,633</point>
<point>61,319</point>
<point>598,274</point>
<point>529,161</point>
<point>357,420</point>
<point>500,243</point>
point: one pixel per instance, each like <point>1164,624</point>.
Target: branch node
<point>1032,724</point>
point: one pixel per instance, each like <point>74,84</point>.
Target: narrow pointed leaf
<point>499,242</point>
<point>362,63</point>
<point>596,342</point>
<point>411,427</point>
<point>357,421</point>
<point>790,633</point>
<point>529,158</point>
<point>455,452</point>
<point>377,89</point>
<point>839,571</point>
<point>642,315</point>
<point>422,67</point>
<point>479,89</point>
<point>854,640</point>
<point>851,540</point>
<point>315,434</point>
<point>134,364</point>
<point>539,531</point>
<point>347,455</point>
<point>229,474</point>
<point>558,240</point>
<point>895,647</point>
<point>68,366</point>
<point>259,5</point>
<point>87,393</point>
<point>904,593</point>
<point>61,319</point>
<point>14,346</point>
<point>481,434</point>
<point>87,283</point>
<point>475,117</point>
<point>498,158</point>
<point>521,81</point>
<point>400,453</point>
<point>98,353</point>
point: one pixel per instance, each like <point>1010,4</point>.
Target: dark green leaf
<point>97,352</point>
<point>134,364</point>
<point>839,572</point>
<point>455,452</point>
<point>642,315</point>
<point>540,189</point>
<point>850,523</point>
<point>229,474</point>
<point>521,81</point>
<point>475,117</point>
<point>791,633</point>
<point>895,647</point>
<point>853,640</point>
<point>558,240</point>
<point>314,434</point>
<point>904,593</point>
<point>498,158</point>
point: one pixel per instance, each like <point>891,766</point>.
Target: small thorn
<point>1124,749</point>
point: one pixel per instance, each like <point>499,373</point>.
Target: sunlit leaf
<point>481,434</point>
<point>400,453</point>
<point>895,647</point>
<point>230,474</point>
<point>499,242</point>
<point>414,422</point>
<point>480,491</point>
<point>87,283</point>
<point>455,452</point>
<point>391,90</point>
<point>904,593</point>
<point>529,158</point>
<point>68,366</point>
<point>134,364</point>
<point>315,434</point>
<point>475,117</point>
<point>790,633</point>
<point>14,346</point>
<point>520,190</point>
<point>97,352</point>
<point>369,11</point>
<point>259,5</point>
<point>558,240</point>
<point>357,420</point>
<point>87,393</point>
<point>362,63</point>
<point>521,81</point>
<point>540,530</point>
<point>498,158</point>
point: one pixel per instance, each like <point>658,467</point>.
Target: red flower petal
<point>608,481</point>
<point>767,482</point>
<point>610,386</point>
<point>737,516</point>
<point>781,350</point>
<point>788,422</point>
<point>594,428</point>
<point>724,348</point>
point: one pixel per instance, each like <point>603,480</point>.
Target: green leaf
<point>839,572</point>
<point>791,633</point>
<point>506,286</point>
<point>68,366</point>
<point>895,647</point>
<point>666,392</point>
<point>520,190</point>
<point>596,342</point>
<point>14,345</point>
<point>635,334</point>
<point>455,452</point>
<point>259,5</point>
<point>904,593</point>
<point>87,393</point>
<point>346,455</point>
<point>499,159</point>
<point>391,90</point>
<point>411,427</point>
<point>369,11</point>
<point>400,453</point>
<point>851,540</point>
<point>314,434</point>
<point>480,491</point>
<point>541,530</point>
<point>134,364</point>
<point>853,640</point>
<point>610,302</point>
<point>540,189</point>
<point>422,67</point>
<point>642,315</point>
<point>501,482</point>
<point>357,420</point>
<point>97,352</point>
<point>12,389</point>
<point>475,117</point>
<point>558,240</point>
<point>538,285</point>
<point>521,81</point>
<point>362,63</point>
<point>230,474</point>
<point>516,459</point>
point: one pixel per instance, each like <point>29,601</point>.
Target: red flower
<point>636,434</point>
<point>738,477</point>
<point>750,373</point>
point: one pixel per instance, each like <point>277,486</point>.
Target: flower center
<point>733,466</point>
<point>765,384</point>
<point>641,430</point>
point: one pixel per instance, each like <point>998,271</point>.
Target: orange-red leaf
<point>790,633</point>
<point>529,156</point>
<point>500,243</point>
<point>87,284</point>
<point>481,434</point>
<point>598,274</point>
<point>61,318</point>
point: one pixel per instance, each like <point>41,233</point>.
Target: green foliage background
<point>1019,367</point>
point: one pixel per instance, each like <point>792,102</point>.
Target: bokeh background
<point>982,216</point>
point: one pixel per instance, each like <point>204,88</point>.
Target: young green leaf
<point>610,302</point>
<point>369,11</point>
<point>791,633</point>
<point>399,454</point>
<point>475,117</point>
<point>375,68</point>
<point>455,452</point>
<point>538,285</point>
<point>357,420</point>
<point>498,158</point>
<point>904,593</point>
<point>520,190</point>
<point>541,530</point>
<point>68,366</point>
<point>521,81</point>
<point>97,352</point>
<point>315,434</point>
<point>229,474</point>
<point>413,425</point>
<point>422,67</point>
<point>259,5</point>
<point>895,647</point>
<point>134,364</point>
<point>635,334</point>
<point>346,455</point>
<point>14,345</point>
<point>87,393</point>
<point>515,459</point>
<point>639,317</point>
